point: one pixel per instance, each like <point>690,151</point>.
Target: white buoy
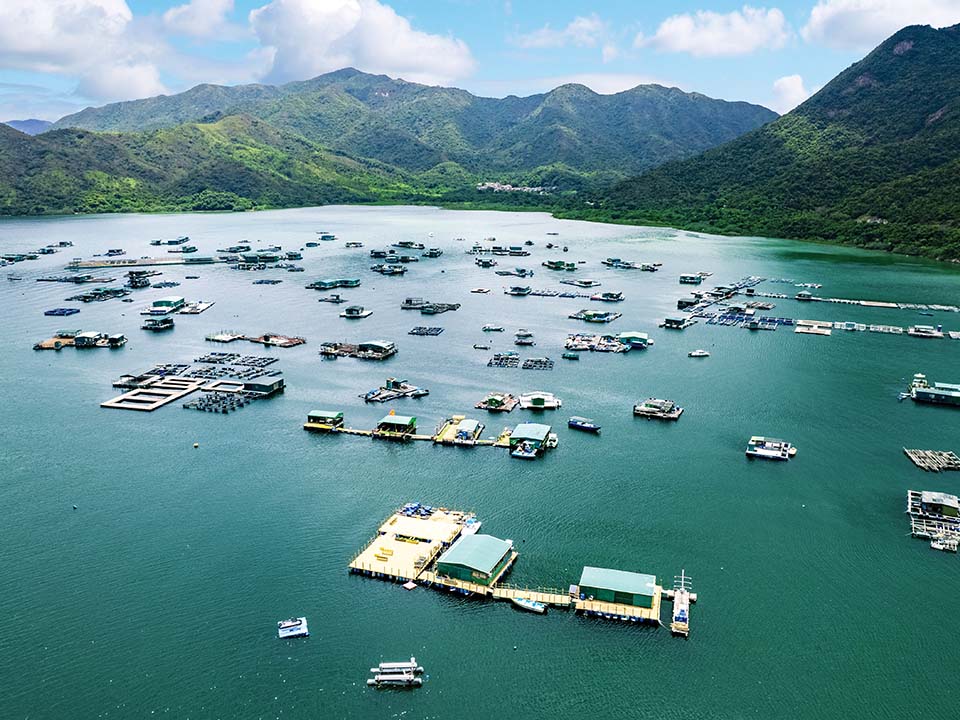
<point>196,445</point>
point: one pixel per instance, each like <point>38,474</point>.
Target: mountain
<point>417,127</point>
<point>30,127</point>
<point>873,159</point>
<point>234,163</point>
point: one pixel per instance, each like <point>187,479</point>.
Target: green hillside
<point>873,159</point>
<point>416,127</point>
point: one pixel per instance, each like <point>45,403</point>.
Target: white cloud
<point>862,24</point>
<point>610,52</point>
<point>199,18</point>
<point>582,31</point>
<point>788,92</point>
<point>308,38</point>
<point>121,82</point>
<point>91,40</point>
<point>710,34</point>
<point>602,83</point>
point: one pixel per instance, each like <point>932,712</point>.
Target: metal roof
<point>477,552</point>
<point>325,413</point>
<point>618,581</point>
<point>530,431</point>
<point>398,420</point>
<point>939,498</point>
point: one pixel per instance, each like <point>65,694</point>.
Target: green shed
<point>476,558</point>
<point>618,586</point>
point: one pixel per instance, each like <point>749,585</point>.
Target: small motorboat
<point>698,354</point>
<point>292,628</point>
<point>524,333</point>
<point>529,605</point>
<point>478,346</point>
<point>524,341</point>
<point>524,451</point>
<point>582,423</point>
<point>570,356</point>
<point>492,328</point>
<point>480,291</point>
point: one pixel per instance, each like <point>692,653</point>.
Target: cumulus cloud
<point>862,24</point>
<point>199,18</point>
<point>306,38</point>
<point>582,31</point>
<point>788,92</point>
<point>710,34</point>
<point>85,39</point>
<point>602,83</point>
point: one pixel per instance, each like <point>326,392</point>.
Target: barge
<point>769,449</point>
<point>655,408</point>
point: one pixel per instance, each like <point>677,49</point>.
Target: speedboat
<point>292,628</point>
<point>492,328</point>
<point>582,423</point>
<point>478,346</point>
<point>480,291</point>
<point>698,353</point>
<point>529,605</point>
<point>524,451</point>
<point>524,333</point>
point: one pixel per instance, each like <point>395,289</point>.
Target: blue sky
<point>57,56</point>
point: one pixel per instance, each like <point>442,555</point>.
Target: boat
<point>526,341</point>
<point>524,333</point>
<point>480,291</point>
<point>292,628</point>
<point>659,409</point>
<point>157,324</point>
<point>770,448</point>
<point>570,356</point>
<point>944,544</point>
<point>403,679</point>
<point>938,393</point>
<point>925,331</point>
<point>492,328</point>
<point>529,605</point>
<point>353,244</point>
<point>682,597</point>
<point>409,666</point>
<point>478,346</point>
<point>698,354</point>
<point>524,451</point>
<point>582,423</point>
<point>409,245</point>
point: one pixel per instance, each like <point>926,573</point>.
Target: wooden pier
<point>933,460</point>
<point>156,394</point>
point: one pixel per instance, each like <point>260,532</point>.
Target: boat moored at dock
<point>529,605</point>
<point>937,394</point>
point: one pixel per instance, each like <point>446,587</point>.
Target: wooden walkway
<point>933,460</point>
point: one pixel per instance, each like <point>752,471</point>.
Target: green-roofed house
<point>396,427</point>
<point>323,420</point>
<point>618,586</point>
<point>534,433</point>
<point>480,559</point>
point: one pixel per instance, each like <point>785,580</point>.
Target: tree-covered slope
<point>873,159</point>
<point>416,127</point>
<point>236,162</point>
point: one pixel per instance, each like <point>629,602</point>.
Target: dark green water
<point>159,596</point>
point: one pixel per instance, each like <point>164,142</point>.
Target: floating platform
<point>155,394</point>
<point>140,262</point>
<point>933,460</point>
<point>274,340</point>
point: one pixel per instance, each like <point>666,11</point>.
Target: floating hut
<point>480,559</point>
<point>323,420</point>
<point>396,427</point>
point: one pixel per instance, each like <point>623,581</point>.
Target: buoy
<point>196,445</point>
<point>74,507</point>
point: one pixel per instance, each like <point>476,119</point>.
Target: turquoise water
<point>159,595</point>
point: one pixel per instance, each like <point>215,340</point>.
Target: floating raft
<point>933,460</point>
<point>421,330</point>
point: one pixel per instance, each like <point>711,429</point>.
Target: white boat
<point>292,628</point>
<point>524,333</point>
<point>492,328</point>
<point>404,679</point>
<point>405,666</point>
<point>770,448</point>
<point>529,605</point>
<point>698,353</point>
